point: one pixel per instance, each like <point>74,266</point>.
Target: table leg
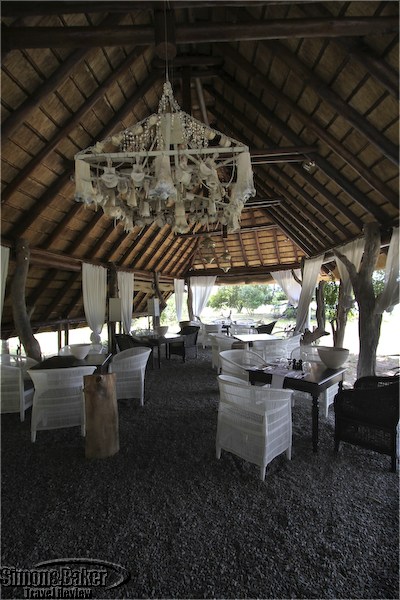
<point>315,421</point>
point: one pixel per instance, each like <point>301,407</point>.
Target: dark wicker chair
<point>266,328</point>
<point>125,341</point>
<point>368,415</point>
<point>187,346</point>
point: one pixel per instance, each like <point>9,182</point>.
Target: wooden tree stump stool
<point>102,435</point>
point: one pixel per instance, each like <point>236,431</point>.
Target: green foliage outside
<point>241,297</point>
<point>331,294</point>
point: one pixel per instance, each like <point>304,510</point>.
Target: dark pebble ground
<point>186,525</point>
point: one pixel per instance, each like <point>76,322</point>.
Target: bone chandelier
<point>167,169</point>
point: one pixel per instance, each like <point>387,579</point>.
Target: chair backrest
<point>212,327</point>
<point>257,398</point>
<point>130,369</point>
<point>12,397</point>
<point>188,329</point>
<point>219,342</point>
<point>191,333</point>
<point>266,328</point>
<point>237,329</point>
<point>58,381</point>
<point>133,358</point>
<point>209,329</point>
<point>124,341</point>
<point>234,362</point>
<point>58,399</point>
<point>271,349</point>
<point>293,341</point>
<point>306,352</point>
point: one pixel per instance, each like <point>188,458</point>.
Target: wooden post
<point>102,435</point>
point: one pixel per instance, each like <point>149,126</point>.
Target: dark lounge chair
<point>188,345</point>
<point>368,415</point>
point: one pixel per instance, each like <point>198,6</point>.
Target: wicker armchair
<point>266,328</point>
<point>186,346</point>
<point>254,422</point>
<point>368,415</point>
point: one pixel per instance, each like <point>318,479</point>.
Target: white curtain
<point>5,257</point>
<point>290,286</point>
<point>94,288</point>
<point>312,267</point>
<point>125,288</point>
<point>179,288</point>
<point>201,291</point>
<point>353,251</point>
<point>390,294</point>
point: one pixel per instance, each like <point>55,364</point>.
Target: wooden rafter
<point>311,123</point>
<point>323,164</point>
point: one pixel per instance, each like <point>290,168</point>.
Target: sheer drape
<point>94,288</point>
<point>353,251</point>
<point>201,291</point>
<point>179,288</point>
<point>125,287</point>
<point>290,286</point>
<point>312,267</point>
<point>390,294</point>
<point>5,257</point>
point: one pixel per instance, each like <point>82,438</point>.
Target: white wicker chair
<point>271,349</point>
<point>207,329</point>
<point>130,368</point>
<point>310,353</point>
<point>16,391</point>
<point>58,401</point>
<point>219,343</point>
<point>234,362</point>
<point>240,328</point>
<point>293,342</point>
<point>254,422</point>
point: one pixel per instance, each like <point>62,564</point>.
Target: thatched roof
<point>298,82</point>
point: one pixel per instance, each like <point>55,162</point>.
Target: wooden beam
<point>25,8</point>
<point>197,33</point>
<point>341,106</point>
<point>322,163</point>
<point>219,231</point>
<point>311,123</point>
<point>359,52</point>
<point>280,172</point>
<point>240,271</point>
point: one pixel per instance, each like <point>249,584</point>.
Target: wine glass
<point>306,367</point>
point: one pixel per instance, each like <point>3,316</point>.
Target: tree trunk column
<point>101,408</point>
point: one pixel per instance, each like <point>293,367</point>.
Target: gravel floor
<point>186,525</point>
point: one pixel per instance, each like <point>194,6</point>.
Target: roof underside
<point>299,83</point>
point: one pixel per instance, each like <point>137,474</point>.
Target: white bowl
<point>162,329</point>
<point>333,357</point>
<point>80,351</point>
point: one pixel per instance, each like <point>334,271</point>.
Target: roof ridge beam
<point>197,33</point>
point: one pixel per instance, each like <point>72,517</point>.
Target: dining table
<point>314,382</point>
<point>255,337</point>
<point>156,341</point>
<point>100,361</point>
